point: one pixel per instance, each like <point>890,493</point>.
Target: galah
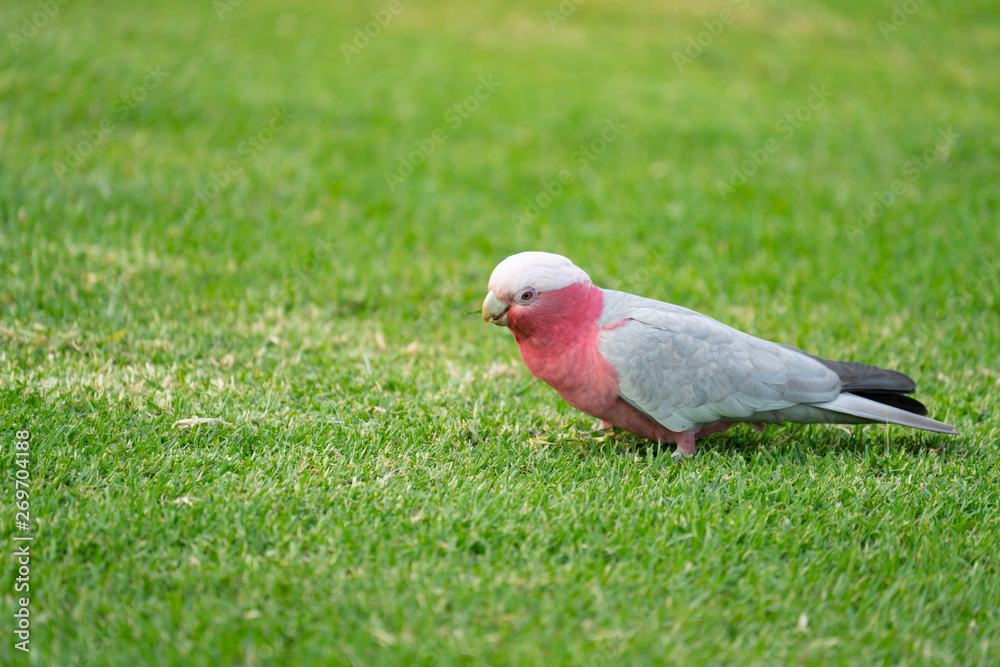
<point>670,374</point>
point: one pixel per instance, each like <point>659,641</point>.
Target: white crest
<point>544,271</point>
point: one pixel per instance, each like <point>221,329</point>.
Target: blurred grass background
<point>387,483</point>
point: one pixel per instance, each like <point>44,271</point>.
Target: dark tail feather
<point>901,401</point>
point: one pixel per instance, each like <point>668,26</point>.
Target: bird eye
<point>526,295</point>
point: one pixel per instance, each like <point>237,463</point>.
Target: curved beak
<point>495,310</point>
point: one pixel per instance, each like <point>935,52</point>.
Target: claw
<point>680,457</point>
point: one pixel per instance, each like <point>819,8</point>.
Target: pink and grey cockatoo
<point>673,375</point>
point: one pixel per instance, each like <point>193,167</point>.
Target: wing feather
<point>682,368</point>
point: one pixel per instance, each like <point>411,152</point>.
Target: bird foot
<point>680,457</point>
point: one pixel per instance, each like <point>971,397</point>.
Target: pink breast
<point>560,346</point>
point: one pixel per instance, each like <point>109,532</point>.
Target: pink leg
<point>605,425</point>
<point>685,444</point>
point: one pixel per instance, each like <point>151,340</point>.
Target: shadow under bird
<point>670,374</point>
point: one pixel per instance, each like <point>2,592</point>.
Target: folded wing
<point>682,368</point>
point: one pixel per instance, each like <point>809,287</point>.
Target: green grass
<point>387,484</point>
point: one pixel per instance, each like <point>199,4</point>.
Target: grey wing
<point>682,368</point>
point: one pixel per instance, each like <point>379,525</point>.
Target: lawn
<point>237,243</point>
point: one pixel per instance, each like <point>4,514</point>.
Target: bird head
<point>532,287</point>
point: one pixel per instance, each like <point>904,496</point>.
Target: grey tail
<point>881,413</point>
<point>876,384</point>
